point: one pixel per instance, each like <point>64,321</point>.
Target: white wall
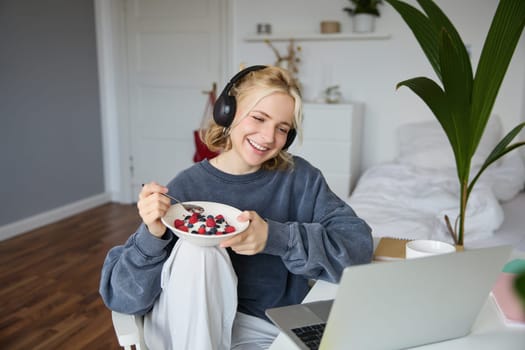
<point>368,71</point>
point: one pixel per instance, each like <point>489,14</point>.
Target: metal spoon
<point>192,208</point>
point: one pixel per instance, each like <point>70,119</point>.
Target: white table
<point>488,332</point>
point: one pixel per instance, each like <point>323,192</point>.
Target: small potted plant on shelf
<point>363,14</point>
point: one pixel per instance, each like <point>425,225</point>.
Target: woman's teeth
<point>257,146</point>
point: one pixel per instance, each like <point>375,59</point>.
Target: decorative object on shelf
<point>464,102</point>
<point>329,27</point>
<point>290,61</point>
<point>332,94</point>
<point>363,15</point>
<point>264,28</point>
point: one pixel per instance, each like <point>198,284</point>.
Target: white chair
<point>129,330</point>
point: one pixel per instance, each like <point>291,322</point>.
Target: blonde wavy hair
<point>264,82</point>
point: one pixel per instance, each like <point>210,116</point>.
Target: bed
<point>409,196</point>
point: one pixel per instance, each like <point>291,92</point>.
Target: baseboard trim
<point>18,227</point>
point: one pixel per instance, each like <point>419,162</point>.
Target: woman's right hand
<point>152,206</point>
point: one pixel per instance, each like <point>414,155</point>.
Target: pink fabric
<point>507,300</point>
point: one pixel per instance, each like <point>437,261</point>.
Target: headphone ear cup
<point>289,139</point>
<point>224,110</point>
<point>225,106</point>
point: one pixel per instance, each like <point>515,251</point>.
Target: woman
<point>299,229</point>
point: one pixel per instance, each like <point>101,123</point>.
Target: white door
<point>174,53</point>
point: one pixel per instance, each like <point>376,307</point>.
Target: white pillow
<point>425,145</point>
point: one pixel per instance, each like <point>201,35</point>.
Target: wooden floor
<point>49,281</point>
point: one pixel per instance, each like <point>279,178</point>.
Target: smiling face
<point>269,105</point>
<point>259,130</point>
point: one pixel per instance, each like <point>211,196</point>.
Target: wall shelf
<point>318,37</point>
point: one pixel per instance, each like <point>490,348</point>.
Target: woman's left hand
<point>253,239</point>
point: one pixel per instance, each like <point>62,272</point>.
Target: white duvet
<point>409,197</point>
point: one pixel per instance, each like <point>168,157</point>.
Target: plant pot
<point>363,23</point>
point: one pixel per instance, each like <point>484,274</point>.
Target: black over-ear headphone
<point>226,105</point>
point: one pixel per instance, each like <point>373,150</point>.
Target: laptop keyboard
<point>310,335</point>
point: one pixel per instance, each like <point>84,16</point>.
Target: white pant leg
<point>198,302</point>
<point>252,333</point>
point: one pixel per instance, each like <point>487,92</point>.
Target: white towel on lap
<point>198,301</point>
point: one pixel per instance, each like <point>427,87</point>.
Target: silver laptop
<point>395,305</point>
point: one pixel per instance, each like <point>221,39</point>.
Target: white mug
<point>424,247</point>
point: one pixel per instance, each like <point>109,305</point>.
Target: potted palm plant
<point>463,102</point>
<point>363,14</point>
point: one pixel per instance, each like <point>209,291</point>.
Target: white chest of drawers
<point>332,143</point>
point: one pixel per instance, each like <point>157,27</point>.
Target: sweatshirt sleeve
<point>322,245</point>
<point>130,279</point>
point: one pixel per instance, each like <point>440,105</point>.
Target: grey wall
<point>50,132</point>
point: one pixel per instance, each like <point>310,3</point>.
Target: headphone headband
<point>240,75</point>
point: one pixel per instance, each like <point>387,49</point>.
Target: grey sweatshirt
<point>312,234</point>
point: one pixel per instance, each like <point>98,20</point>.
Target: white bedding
<point>409,197</point>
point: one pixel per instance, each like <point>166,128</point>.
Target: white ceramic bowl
<point>230,214</point>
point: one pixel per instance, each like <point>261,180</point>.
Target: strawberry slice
<point>210,222</point>
<point>182,228</point>
<point>194,218</point>
<point>229,229</point>
<point>178,222</point>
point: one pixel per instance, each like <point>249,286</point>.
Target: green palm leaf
<point>442,24</point>
<point>457,83</point>
<point>434,97</point>
<point>425,33</point>
<point>499,151</point>
<point>501,41</point>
